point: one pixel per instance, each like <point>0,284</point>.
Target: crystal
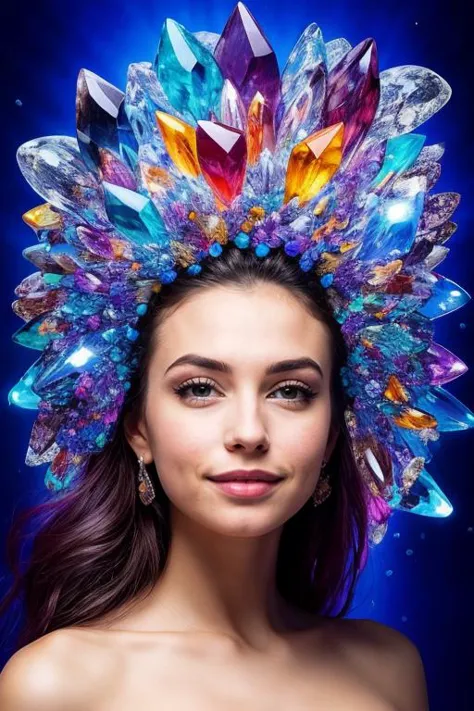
<point>96,242</point>
<point>44,432</point>
<point>444,366</point>
<point>188,73</point>
<point>39,332</point>
<point>97,106</point>
<point>303,86</point>
<point>180,142</point>
<point>247,59</point>
<point>39,255</point>
<point>114,171</point>
<point>446,296</point>
<point>135,216</point>
<point>208,39</point>
<point>260,133</point>
<point>353,94</point>
<point>313,162</point>
<point>43,217</point>
<point>409,96</point>
<point>450,413</point>
<point>54,168</point>
<point>22,394</point>
<point>35,304</point>
<point>128,144</point>
<point>391,229</point>
<point>232,107</point>
<point>438,209</point>
<point>400,154</point>
<point>441,234</point>
<point>425,498</point>
<point>336,50</point>
<point>222,152</point>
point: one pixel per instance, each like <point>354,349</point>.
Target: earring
<point>323,488</point>
<point>145,487</point>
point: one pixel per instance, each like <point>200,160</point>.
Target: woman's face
<point>242,419</point>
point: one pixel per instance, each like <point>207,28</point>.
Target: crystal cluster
<point>212,144</point>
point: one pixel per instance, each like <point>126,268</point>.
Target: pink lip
<point>246,474</point>
<point>247,489</point>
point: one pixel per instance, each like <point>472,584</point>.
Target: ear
<point>136,434</point>
<point>332,439</point>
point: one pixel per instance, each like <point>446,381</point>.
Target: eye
<point>307,393</point>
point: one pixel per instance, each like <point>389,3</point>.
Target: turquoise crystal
<point>451,414</point>
<point>135,216</point>
<point>188,73</point>
<point>446,296</point>
<point>34,335</point>
<point>425,498</point>
<point>21,394</point>
<point>400,154</point>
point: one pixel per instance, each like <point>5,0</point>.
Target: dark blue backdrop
<point>421,578</point>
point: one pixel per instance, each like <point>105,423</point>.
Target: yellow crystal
<point>260,131</point>
<point>43,217</point>
<point>313,162</point>
<point>395,390</point>
<point>180,142</point>
<point>413,419</point>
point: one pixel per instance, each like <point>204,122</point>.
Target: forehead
<point>243,326</point>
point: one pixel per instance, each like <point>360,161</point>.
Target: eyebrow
<point>281,366</point>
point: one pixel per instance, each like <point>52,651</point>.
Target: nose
<point>248,429</point>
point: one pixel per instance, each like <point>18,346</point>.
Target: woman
<point>173,356</point>
<point>228,605</point>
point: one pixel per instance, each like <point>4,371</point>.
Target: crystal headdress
<point>211,144</point>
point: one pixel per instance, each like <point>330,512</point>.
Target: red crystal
<point>222,153</point>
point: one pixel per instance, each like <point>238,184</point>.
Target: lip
<point>260,475</point>
<point>247,489</point>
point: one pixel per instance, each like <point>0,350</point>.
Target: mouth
<point>250,488</point>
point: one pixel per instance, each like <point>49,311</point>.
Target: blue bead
<point>261,250</point>
<point>292,248</point>
<point>242,240</point>
<point>215,249</point>
<point>142,309</point>
<point>168,276</point>
<point>327,280</point>
<point>194,269</point>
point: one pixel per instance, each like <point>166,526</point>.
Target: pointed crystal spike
<point>43,217</point>
<point>336,50</point>
<point>21,394</point>
<point>180,142</point>
<point>135,216</point>
<point>353,94</point>
<point>260,133</point>
<point>313,162</point>
<point>188,73</point>
<point>400,154</point>
<point>246,58</point>
<point>425,498</point>
<point>54,168</point>
<point>447,296</point>
<point>97,107</point>
<point>39,332</point>
<point>301,82</point>
<point>222,152</point>
<point>232,107</point>
<point>451,414</point>
<point>409,96</point>
<point>444,366</point>
<point>438,210</point>
<point>208,39</point>
<point>112,170</point>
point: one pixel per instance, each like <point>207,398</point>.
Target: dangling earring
<point>323,488</point>
<point>145,487</point>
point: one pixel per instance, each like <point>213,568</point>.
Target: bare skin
<point>215,634</point>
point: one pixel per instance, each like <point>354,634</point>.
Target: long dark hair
<point>97,550</point>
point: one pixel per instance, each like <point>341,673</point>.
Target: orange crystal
<point>313,162</point>
<point>260,131</point>
<point>180,142</point>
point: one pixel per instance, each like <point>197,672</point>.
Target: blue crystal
<point>400,154</point>
<point>261,250</point>
<point>34,335</point>
<point>21,394</point>
<point>391,230</point>
<point>450,413</point>
<point>242,240</point>
<point>194,269</point>
<point>425,498</point>
<point>446,296</point>
<point>188,72</point>
<point>128,145</point>
<point>135,216</point>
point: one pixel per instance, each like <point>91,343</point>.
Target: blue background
<point>428,594</point>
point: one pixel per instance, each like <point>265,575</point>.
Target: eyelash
<point>308,393</point>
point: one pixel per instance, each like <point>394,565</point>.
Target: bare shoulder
<point>38,676</point>
<point>391,658</point>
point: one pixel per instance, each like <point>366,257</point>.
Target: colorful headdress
<point>211,144</point>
